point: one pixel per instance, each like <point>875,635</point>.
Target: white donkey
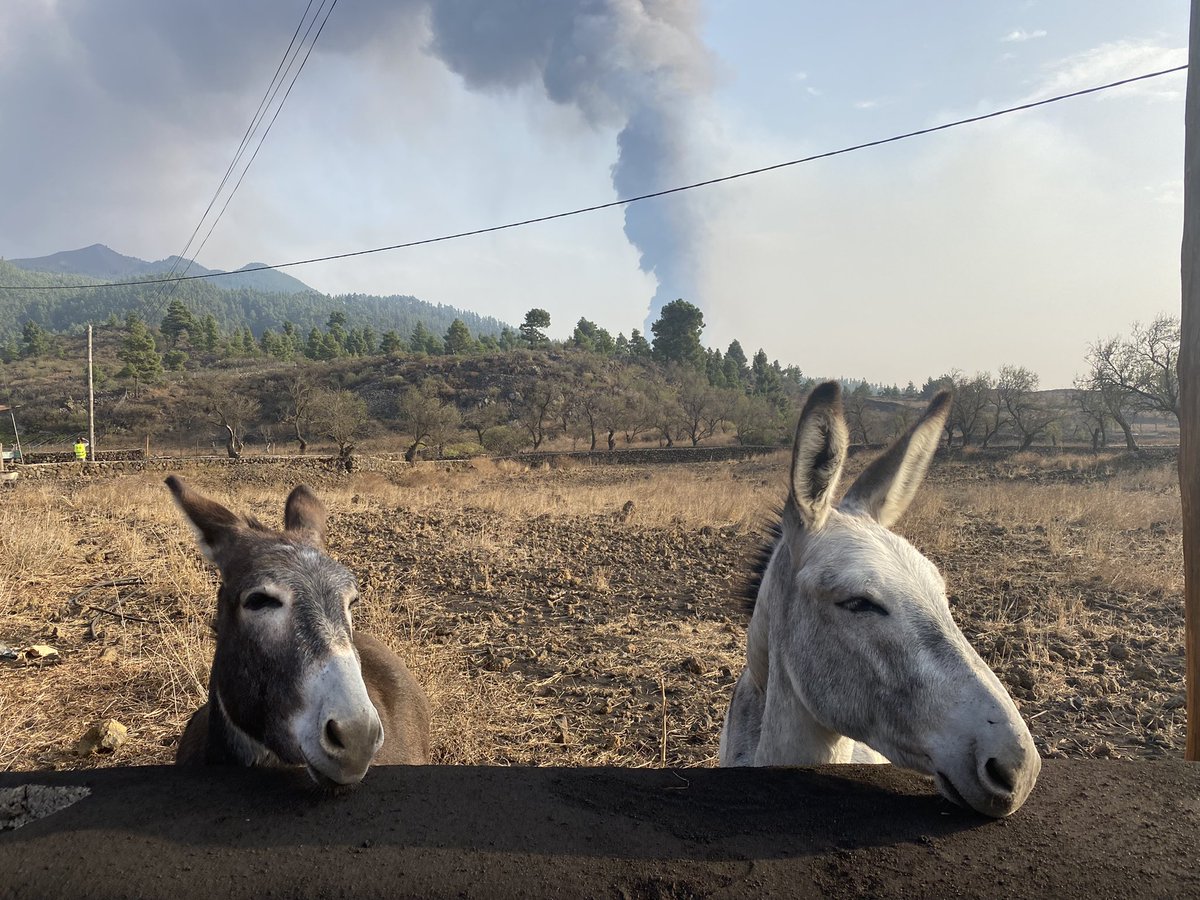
<point>852,654</point>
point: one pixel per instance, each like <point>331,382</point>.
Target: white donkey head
<point>852,636</point>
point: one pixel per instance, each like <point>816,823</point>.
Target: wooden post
<point>91,401</point>
<point>1,457</point>
<point>1189,387</point>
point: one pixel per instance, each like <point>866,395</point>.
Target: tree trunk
<point>410,455</point>
<point>300,438</point>
<point>612,440</point>
<point>1130,441</point>
<point>233,446</point>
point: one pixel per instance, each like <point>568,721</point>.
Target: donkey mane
<point>769,534</point>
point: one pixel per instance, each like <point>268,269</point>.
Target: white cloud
<point>1012,242</point>
<point>1169,193</point>
<point>1020,36</point>
<point>866,104</point>
<point>1113,62</point>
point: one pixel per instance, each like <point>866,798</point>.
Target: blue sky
<point>1016,241</point>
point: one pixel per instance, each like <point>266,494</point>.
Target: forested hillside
<point>277,372</point>
<point>233,309</point>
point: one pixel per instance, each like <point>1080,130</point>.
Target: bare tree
<point>619,407</point>
<point>426,417</point>
<point>756,420</point>
<point>487,412</point>
<point>233,411</point>
<point>637,413</point>
<point>994,417</point>
<point>1138,373</point>
<point>968,412</point>
<point>662,407</point>
<point>1092,414</point>
<point>1108,386</point>
<point>340,416</point>
<point>856,404</point>
<point>300,396</point>
<point>534,406</point>
<point>591,400</point>
<point>700,405</point>
<point>1156,348</point>
<point>1029,416</point>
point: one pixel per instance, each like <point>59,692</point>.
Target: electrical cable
<point>626,200</point>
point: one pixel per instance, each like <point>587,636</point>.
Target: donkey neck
<point>790,734</point>
<point>227,743</point>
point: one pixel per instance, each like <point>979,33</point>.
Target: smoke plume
<point>112,101</point>
<point>639,65</point>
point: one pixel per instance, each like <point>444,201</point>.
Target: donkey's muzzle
<point>997,780</point>
<point>348,745</point>
<point>340,731</point>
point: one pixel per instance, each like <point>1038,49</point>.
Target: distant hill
<point>70,310</point>
<point>101,262</point>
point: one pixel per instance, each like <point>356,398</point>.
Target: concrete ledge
<point>1092,829</point>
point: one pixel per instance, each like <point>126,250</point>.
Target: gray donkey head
<point>286,685</point>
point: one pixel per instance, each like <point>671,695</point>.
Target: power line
<point>263,106</point>
<point>627,200</point>
<point>254,123</point>
<point>270,124</point>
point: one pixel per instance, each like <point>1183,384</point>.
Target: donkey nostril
<point>333,734</point>
<point>1000,776</point>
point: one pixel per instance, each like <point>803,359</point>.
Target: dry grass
<point>550,628</point>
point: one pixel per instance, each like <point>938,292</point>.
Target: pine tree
<point>142,362</point>
<point>177,322</point>
<point>531,329</point>
<point>36,340</point>
<point>210,334</point>
<point>677,334</point>
<point>736,369</point>
<point>391,342</point>
<point>458,338</point>
<point>639,347</point>
<point>313,348</point>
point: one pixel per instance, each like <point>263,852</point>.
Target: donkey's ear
<point>886,487</point>
<point>213,523</point>
<point>818,454</point>
<point>304,516</point>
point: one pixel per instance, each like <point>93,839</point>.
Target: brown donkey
<point>292,683</point>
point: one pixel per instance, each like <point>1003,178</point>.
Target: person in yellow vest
<point>81,449</point>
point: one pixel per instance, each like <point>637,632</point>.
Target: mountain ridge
<point>102,262</point>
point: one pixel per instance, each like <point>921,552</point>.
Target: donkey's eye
<point>862,605</point>
<point>260,600</point>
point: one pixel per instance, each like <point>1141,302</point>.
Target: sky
<point>1017,241</point>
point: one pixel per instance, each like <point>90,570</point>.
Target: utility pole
<point>91,401</point>
<point>1189,387</point>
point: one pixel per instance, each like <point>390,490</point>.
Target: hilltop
<point>101,262</point>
